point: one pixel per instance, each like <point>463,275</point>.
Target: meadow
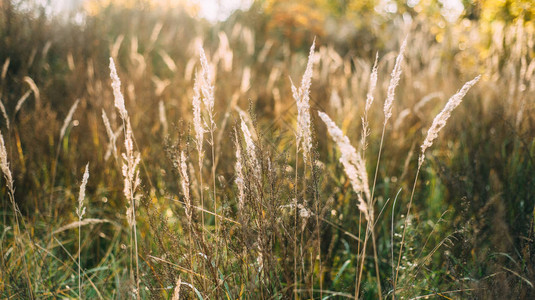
<point>284,153</point>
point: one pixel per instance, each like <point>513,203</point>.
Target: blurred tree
<point>93,7</point>
<point>507,10</point>
<point>295,21</point>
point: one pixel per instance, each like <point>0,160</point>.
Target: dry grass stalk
<point>163,118</point>
<point>80,211</point>
<point>21,101</point>
<point>169,62</point>
<point>387,109</point>
<point>372,84</point>
<point>245,80</point>
<point>354,167</point>
<point>117,94</point>
<point>4,113</point>
<point>238,167</point>
<point>303,137</point>
<point>438,123</point>
<point>68,119</point>
<point>353,164</point>
<point>251,150</point>
<point>207,90</point>
<point>197,117</point>
<point>176,293</point>
<point>440,120</point>
<point>183,170</point>
<point>185,185</point>
<point>63,129</point>
<point>114,49</point>
<point>84,222</point>
<point>34,89</point>
<point>131,160</point>
<point>5,66</point>
<point>394,81</point>
<point>224,52</point>
<point>130,173</point>
<point>199,141</point>
<point>112,136</point>
<point>4,166</point>
<point>369,101</point>
<point>302,98</point>
<point>206,86</point>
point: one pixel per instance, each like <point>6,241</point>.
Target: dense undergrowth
<point>285,223</point>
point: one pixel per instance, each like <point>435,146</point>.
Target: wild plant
<point>4,166</point>
<point>131,160</point>
<point>438,123</point>
<point>80,212</point>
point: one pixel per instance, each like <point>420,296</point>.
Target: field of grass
<point>146,153</point>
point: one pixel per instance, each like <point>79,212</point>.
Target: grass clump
<point>213,176</point>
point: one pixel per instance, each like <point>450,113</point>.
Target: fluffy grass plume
<point>131,159</point>
<point>352,162</point>
<point>238,168</point>
<point>185,185</point>
<point>302,98</point>
<point>394,81</point>
<point>176,292</point>
<point>117,94</point>
<point>206,86</point>
<point>251,149</point>
<point>440,120</point>
<point>80,211</point>
<point>4,164</point>
<point>197,116</point>
<point>372,84</point>
<point>369,100</point>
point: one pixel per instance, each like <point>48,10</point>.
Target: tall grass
<point>279,225</point>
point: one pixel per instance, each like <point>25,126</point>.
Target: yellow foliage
<point>94,7</point>
<point>507,10</point>
<point>295,20</point>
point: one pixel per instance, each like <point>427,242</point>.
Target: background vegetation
<point>470,231</point>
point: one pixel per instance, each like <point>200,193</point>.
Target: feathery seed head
<point>185,184</point>
<point>112,148</point>
<point>251,149</point>
<point>372,85</point>
<point>351,160</point>
<point>80,211</point>
<point>197,117</point>
<point>440,120</point>
<point>130,172</point>
<point>4,164</point>
<point>240,182</point>
<point>302,98</point>
<point>206,86</point>
<point>394,81</point>
<point>116,86</point>
<point>176,292</point>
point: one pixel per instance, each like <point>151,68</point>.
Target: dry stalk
<point>80,212</point>
<point>4,166</point>
<point>438,123</point>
